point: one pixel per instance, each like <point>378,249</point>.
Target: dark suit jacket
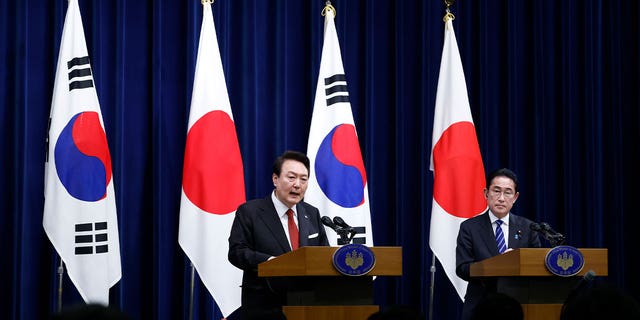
<point>256,235</point>
<point>476,242</point>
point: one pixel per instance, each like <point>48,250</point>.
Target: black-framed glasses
<point>507,193</point>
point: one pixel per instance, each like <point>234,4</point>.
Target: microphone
<point>345,231</point>
<point>538,228</point>
<point>547,227</point>
<point>338,221</point>
<point>327,222</point>
<point>548,233</point>
<point>588,276</point>
<point>557,236</point>
<point>583,284</point>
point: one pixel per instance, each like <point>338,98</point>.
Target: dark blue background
<point>553,88</point>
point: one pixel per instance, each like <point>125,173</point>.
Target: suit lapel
<point>488,236</point>
<point>303,225</point>
<point>270,217</point>
<point>515,232</point>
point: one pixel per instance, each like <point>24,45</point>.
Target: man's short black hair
<point>291,155</point>
<point>503,172</point>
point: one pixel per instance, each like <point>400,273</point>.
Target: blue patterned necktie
<point>500,237</point>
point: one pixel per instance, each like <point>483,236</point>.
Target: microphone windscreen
<point>327,222</point>
<point>589,275</point>
<point>339,221</point>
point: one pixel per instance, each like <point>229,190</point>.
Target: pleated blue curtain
<point>553,88</point>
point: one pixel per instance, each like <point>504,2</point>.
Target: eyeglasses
<point>496,193</point>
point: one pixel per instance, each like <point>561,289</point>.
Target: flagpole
<point>211,123</point>
<point>193,268</point>
<point>192,285</point>
<point>60,276</point>
<point>448,15</point>
<point>328,6</point>
<point>432,285</point>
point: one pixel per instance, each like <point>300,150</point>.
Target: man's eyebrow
<point>297,174</point>
<point>501,188</point>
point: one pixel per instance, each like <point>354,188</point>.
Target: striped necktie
<point>500,237</point>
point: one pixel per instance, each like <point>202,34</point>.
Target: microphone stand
<point>556,239</point>
<point>346,235</point>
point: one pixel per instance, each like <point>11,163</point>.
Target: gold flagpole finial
<point>448,16</point>
<point>328,6</point>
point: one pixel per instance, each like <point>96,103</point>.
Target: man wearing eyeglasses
<point>494,232</point>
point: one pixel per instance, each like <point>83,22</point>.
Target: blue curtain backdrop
<point>554,93</point>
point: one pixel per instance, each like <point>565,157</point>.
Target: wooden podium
<point>317,291</point>
<point>522,274</point>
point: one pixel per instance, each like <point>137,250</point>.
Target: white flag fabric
<point>455,161</point>
<point>80,211</point>
<point>338,182</point>
<point>213,175</point>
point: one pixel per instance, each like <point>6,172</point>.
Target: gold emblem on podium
<point>354,259</point>
<point>565,260</point>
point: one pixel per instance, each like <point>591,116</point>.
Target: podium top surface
<point>531,262</point>
<point>318,261</point>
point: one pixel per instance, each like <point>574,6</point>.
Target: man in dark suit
<point>477,238</point>
<point>261,231</point>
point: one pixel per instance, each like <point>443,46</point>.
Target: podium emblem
<point>564,261</point>
<point>354,259</point>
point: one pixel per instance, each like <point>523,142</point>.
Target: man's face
<point>292,182</point>
<point>501,196</point>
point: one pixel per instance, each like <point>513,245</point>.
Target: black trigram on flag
<point>356,239</point>
<point>79,73</point>
<point>335,89</point>
<point>90,236</point>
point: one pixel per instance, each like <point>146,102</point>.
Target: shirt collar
<point>281,208</point>
<point>505,219</point>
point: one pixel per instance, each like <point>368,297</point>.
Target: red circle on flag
<point>91,140</point>
<point>459,173</point>
<point>213,176</point>
<point>346,149</point>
